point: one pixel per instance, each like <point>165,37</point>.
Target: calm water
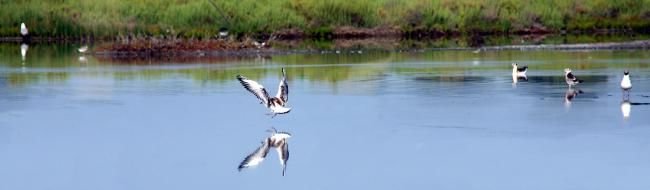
<point>376,120</point>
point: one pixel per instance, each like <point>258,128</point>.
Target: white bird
<point>23,30</point>
<point>626,84</point>
<point>517,71</point>
<point>570,78</point>
<point>23,50</point>
<point>259,44</point>
<point>277,103</point>
<point>626,108</point>
<point>477,50</point>
<point>277,140</point>
<point>83,49</point>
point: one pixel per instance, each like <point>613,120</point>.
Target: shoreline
<point>629,45</point>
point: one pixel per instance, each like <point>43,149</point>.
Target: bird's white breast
<point>626,83</point>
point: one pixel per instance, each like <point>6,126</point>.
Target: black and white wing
<point>283,154</point>
<point>256,157</point>
<point>571,77</point>
<point>283,89</point>
<point>522,69</point>
<point>255,88</point>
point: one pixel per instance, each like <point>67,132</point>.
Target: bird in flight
<point>275,104</point>
<point>277,140</point>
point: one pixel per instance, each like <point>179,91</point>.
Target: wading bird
<point>626,84</point>
<point>519,71</point>
<point>571,79</point>
<point>277,140</point>
<point>277,103</point>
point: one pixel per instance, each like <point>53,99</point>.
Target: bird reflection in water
<point>277,140</point>
<point>569,95</point>
<point>626,108</point>
<point>23,50</point>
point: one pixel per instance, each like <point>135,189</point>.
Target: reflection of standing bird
<point>570,78</point>
<point>625,109</point>
<point>626,84</point>
<point>277,103</point>
<point>569,95</point>
<point>277,140</point>
<point>23,50</point>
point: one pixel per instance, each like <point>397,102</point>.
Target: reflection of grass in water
<point>329,68</point>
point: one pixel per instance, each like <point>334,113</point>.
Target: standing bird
<point>570,78</point>
<point>277,140</point>
<point>277,103</point>
<point>23,30</point>
<point>519,71</point>
<point>24,33</point>
<point>259,44</point>
<point>626,84</point>
<point>83,49</point>
<point>223,32</point>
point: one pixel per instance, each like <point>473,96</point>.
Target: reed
<point>202,19</point>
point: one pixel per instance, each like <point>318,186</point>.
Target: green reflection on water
<point>56,64</point>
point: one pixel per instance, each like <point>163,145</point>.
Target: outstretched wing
<point>255,88</point>
<point>283,154</point>
<point>283,89</point>
<point>256,157</point>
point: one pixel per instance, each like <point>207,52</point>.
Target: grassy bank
<point>316,18</point>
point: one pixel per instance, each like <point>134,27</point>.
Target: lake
<point>359,120</point>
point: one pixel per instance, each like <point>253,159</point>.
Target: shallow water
<point>375,120</point>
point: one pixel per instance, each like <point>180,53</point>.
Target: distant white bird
<point>626,108</point>
<point>277,103</point>
<point>517,71</point>
<point>626,84</point>
<point>23,30</point>
<point>477,50</point>
<point>23,50</point>
<point>83,49</point>
<point>259,44</point>
<point>277,140</point>
<point>571,79</point>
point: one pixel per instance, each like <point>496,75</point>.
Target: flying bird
<point>277,140</point>
<point>276,104</point>
<point>571,79</point>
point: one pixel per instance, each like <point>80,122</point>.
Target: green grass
<point>203,18</point>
